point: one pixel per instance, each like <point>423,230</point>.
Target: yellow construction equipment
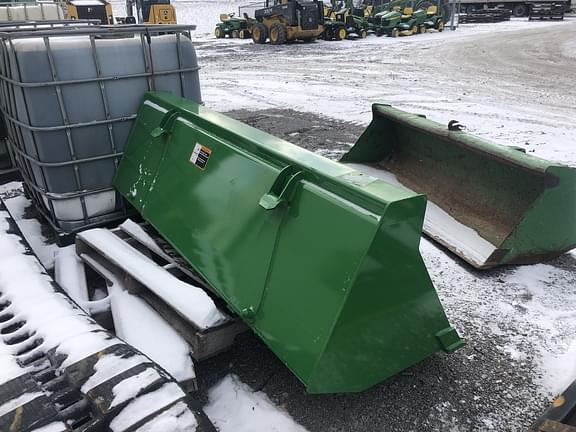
<point>150,12</point>
<point>90,9</point>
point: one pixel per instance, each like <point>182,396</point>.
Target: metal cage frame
<point>42,197</point>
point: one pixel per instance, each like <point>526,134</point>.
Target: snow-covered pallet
<point>174,291</point>
<point>61,371</point>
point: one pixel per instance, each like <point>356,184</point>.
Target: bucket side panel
<point>547,230</point>
<point>392,314</point>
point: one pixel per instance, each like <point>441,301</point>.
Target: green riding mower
<point>232,27</point>
<point>354,25</point>
<point>333,29</point>
<point>433,19</point>
<point>412,22</point>
<point>386,23</point>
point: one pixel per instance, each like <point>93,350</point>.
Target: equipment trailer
<point>517,8</point>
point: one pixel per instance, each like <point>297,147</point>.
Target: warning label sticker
<point>200,155</point>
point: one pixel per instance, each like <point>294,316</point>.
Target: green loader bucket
<point>321,261</point>
<point>487,203</point>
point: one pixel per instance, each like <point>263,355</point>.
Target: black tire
<point>244,34</point>
<point>440,25</point>
<point>309,39</point>
<point>277,34</point>
<point>519,10</point>
<point>235,34</point>
<point>414,29</point>
<point>363,34</point>
<point>259,33</point>
<point>219,33</point>
<point>422,29</point>
<point>341,34</point>
<point>394,33</point>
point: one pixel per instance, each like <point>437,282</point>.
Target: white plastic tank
<point>31,12</point>
<point>109,95</point>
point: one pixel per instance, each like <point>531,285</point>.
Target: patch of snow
<point>234,407</point>
<point>52,427</point>
<point>70,274</point>
<point>146,405</point>
<point>135,231</point>
<point>9,369</point>
<point>110,365</point>
<point>178,418</point>
<point>23,399</point>
<point>130,387</point>
<point>137,323</point>
<point>84,345</point>
<point>52,315</point>
<point>558,370</point>
<point>188,300</point>
<point>514,353</point>
<point>550,308</point>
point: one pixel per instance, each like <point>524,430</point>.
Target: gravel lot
<point>512,83</point>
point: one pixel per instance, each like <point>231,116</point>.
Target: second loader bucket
<point>321,261</point>
<point>487,203</point>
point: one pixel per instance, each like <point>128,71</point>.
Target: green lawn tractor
<point>232,27</point>
<point>386,23</point>
<point>433,19</point>
<point>412,22</point>
<point>356,26</point>
<point>333,29</point>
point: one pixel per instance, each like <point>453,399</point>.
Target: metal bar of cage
<point>7,26</point>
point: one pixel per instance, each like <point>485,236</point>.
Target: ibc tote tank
<point>31,11</point>
<point>70,104</point>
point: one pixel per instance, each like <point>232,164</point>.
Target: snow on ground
<point>235,407</point>
<point>514,91</point>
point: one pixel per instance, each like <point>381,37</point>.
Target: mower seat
<point>432,10</point>
<point>407,12</point>
<point>224,17</point>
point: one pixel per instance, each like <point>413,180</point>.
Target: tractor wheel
<point>341,34</point>
<point>363,34</point>
<point>394,33</point>
<point>244,34</point>
<point>519,10</point>
<point>414,29</point>
<point>235,34</point>
<point>309,39</point>
<point>259,33</point>
<point>422,29</point>
<point>218,33</point>
<point>440,26</point>
<point>277,34</point>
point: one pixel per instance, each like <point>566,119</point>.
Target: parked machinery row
<point>281,21</point>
